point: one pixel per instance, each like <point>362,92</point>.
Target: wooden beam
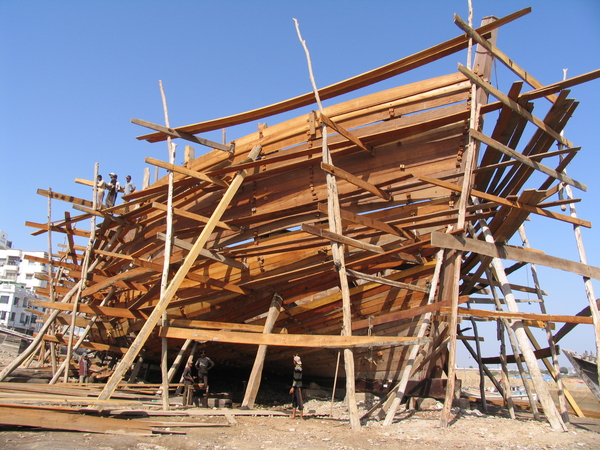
<point>513,253</point>
<point>336,171</point>
<point>316,231</point>
<point>185,171</point>
<point>341,130</point>
<point>502,201</point>
<point>500,56</point>
<point>525,160</point>
<point>514,106</point>
<point>290,340</point>
<point>183,135</point>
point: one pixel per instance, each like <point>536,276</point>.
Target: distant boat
<point>587,369</point>
<point>517,392</point>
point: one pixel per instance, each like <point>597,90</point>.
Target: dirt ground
<point>326,426</point>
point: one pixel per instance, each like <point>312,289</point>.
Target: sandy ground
<point>326,427</point>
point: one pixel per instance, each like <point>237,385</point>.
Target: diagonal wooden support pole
<point>179,277</point>
<point>255,375</point>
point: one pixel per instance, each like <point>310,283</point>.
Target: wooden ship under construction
<point>354,235</point>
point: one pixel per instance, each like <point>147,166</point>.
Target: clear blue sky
<point>73,74</point>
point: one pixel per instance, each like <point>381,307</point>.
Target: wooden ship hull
<point>344,229</point>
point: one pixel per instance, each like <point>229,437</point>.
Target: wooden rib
<point>514,106</point>
<point>525,160</point>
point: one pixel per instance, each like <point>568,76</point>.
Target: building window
<point>16,301</point>
<point>12,317</point>
<point>2,315</point>
<point>13,260</point>
<point>4,299</point>
<point>22,318</point>
<point>29,276</point>
<point>2,261</point>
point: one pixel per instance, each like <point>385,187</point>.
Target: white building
<point>4,242</point>
<point>19,279</point>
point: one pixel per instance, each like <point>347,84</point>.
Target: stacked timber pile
<point>358,227</point>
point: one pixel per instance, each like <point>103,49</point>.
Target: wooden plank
<point>188,172</point>
<point>341,130</point>
<point>525,160</point>
<point>65,198</point>
<point>183,135</point>
<point>381,280</point>
<point>404,314</point>
<point>316,231</point>
<point>207,253</point>
<point>290,340</point>
<point>197,217</point>
<point>513,253</point>
<point>109,311</point>
<point>502,201</point>
<point>87,344</point>
<point>44,227</point>
<point>520,316</point>
<point>355,181</point>
<point>54,420</point>
<point>368,222</point>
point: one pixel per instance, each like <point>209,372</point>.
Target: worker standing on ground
<point>113,187</point>
<point>296,389</point>
<point>204,364</point>
<point>84,369</point>
<point>189,379</point>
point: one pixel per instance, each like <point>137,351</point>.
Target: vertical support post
<point>167,258</point>
<point>483,62</point>
<point>337,250</point>
<point>84,269</point>
<point>255,375</point>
